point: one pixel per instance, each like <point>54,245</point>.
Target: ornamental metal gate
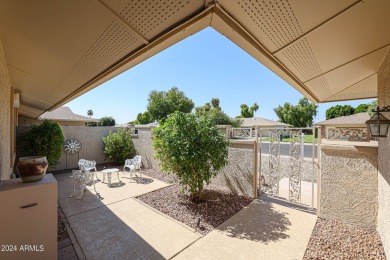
<point>288,167</point>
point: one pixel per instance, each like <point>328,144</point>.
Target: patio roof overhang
<point>58,50</point>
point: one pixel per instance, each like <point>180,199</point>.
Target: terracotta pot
<point>32,168</point>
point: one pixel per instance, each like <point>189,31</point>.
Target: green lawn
<point>308,139</point>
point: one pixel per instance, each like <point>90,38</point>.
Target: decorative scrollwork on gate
<point>295,164</point>
<point>274,160</point>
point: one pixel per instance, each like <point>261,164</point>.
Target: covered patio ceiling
<point>57,50</point>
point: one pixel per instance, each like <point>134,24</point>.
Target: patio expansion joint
<point>98,207</point>
<point>177,253</point>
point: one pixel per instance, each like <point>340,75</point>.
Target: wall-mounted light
<point>378,125</point>
<point>16,100</point>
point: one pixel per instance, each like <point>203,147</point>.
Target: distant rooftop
<point>261,122</point>
<point>356,119</point>
<point>65,114</point>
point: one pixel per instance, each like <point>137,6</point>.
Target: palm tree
<point>90,113</point>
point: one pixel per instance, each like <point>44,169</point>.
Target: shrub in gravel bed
<point>335,240</point>
<point>191,148</point>
<point>218,206</point>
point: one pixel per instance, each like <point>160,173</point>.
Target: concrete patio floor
<point>265,229</point>
<point>118,226</point>
<point>121,227</point>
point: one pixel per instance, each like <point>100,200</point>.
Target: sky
<point>203,66</point>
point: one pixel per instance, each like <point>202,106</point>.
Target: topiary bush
<point>118,146</point>
<point>191,148</point>
<point>45,139</point>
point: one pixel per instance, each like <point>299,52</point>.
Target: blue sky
<point>204,66</point>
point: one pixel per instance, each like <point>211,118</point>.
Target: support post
<point>312,166</point>
<point>319,171</point>
<point>260,173</point>
<point>254,170</point>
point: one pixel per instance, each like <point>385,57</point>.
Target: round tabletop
<point>110,170</point>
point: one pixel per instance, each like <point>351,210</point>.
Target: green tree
<point>373,105</point>
<point>337,111</point>
<point>248,112</point>
<point>218,117</point>
<point>45,139</point>
<point>144,118</point>
<point>215,103</point>
<point>106,121</point>
<point>192,148</point>
<point>215,114</point>
<point>361,108</point>
<point>118,146</point>
<point>300,115</point>
<point>199,111</point>
<point>163,103</point>
<point>90,113</point>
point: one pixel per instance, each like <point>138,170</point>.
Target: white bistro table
<point>109,173</point>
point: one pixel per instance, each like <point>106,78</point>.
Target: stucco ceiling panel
<point>360,30</point>
<point>355,71</point>
<point>300,59</point>
<point>112,45</point>
<point>27,111</point>
<point>276,23</point>
<point>150,18</point>
<point>311,14</point>
<point>320,87</point>
<point>46,38</point>
<point>36,92</point>
<point>345,76</point>
<point>360,90</point>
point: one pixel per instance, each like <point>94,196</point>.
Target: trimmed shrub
<point>45,139</point>
<point>191,148</point>
<point>118,146</point>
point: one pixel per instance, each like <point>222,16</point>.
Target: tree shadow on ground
<point>142,180</point>
<point>260,222</point>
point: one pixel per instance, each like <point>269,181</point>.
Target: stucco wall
<point>383,160</point>
<point>237,176</point>
<point>91,140</point>
<point>349,185</point>
<point>144,146</point>
<point>5,110</point>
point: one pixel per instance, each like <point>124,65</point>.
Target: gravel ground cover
<point>218,206</point>
<point>334,240</point>
<point>61,230</point>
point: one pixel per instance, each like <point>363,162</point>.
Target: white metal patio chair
<point>88,165</point>
<point>133,165</point>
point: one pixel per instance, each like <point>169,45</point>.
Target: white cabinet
<point>28,219</point>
